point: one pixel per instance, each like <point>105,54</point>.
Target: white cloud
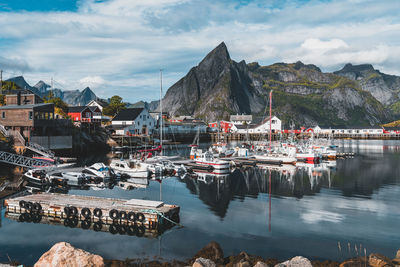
<point>126,42</point>
<point>91,81</point>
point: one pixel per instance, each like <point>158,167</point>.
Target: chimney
<point>19,98</point>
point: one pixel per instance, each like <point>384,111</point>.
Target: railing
<point>41,150</point>
<point>4,131</point>
<point>20,138</point>
<point>22,161</point>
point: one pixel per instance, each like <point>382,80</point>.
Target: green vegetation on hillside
<point>7,85</point>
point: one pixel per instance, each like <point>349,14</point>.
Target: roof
<point>29,106</point>
<point>93,108</point>
<point>241,117</point>
<point>99,102</point>
<point>77,109</point>
<point>129,114</point>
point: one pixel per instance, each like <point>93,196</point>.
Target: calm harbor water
<point>326,211</point>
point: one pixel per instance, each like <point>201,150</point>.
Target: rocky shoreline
<point>212,255</point>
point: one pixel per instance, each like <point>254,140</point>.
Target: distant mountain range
<point>302,94</point>
<point>71,97</point>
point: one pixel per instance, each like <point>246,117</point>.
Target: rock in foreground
<point>63,254</point>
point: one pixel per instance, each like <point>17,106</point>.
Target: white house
<point>241,119</point>
<point>97,103</point>
<point>263,127</point>
<point>134,121</point>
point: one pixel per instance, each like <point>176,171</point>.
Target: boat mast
<point>270,119</point>
<point>161,115</point>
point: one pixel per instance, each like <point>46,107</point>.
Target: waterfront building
<point>241,119</point>
<point>97,103</point>
<point>223,126</point>
<point>25,115</point>
<point>186,126</point>
<point>261,127</point>
<point>84,114</point>
<point>135,121</point>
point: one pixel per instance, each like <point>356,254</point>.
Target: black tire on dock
<point>131,216</point>
<point>21,217</point>
<point>140,230</point>
<point>113,229</point>
<point>131,229</point>
<point>86,212</point>
<point>122,215</point>
<point>86,224</point>
<point>140,217</point>
<point>98,212</point>
<point>36,218</point>
<point>28,217</point>
<point>97,226</point>
<point>67,211</point>
<point>122,229</point>
<point>66,222</point>
<point>73,211</point>
<point>114,214</point>
<point>28,206</point>
<point>73,222</point>
<point>22,203</point>
<point>37,207</point>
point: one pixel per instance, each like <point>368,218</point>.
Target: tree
<point>60,106</point>
<point>115,106</point>
<point>2,100</point>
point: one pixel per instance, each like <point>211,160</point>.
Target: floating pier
<point>131,217</point>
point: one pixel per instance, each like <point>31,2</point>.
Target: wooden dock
<point>133,217</point>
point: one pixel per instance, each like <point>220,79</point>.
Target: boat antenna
<point>270,119</point>
<point>161,115</point>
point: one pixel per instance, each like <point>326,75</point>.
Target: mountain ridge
<point>219,86</point>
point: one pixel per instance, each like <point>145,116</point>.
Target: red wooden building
<point>83,113</point>
<point>224,126</point>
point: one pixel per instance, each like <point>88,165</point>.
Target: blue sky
<point>118,46</point>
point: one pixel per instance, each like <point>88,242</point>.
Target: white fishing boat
<point>99,170</point>
<point>37,176</point>
<point>72,178</point>
<point>276,158</point>
<point>207,159</point>
<point>221,150</point>
<point>131,168</point>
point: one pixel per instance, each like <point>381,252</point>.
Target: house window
<point>30,115</point>
<point>3,114</point>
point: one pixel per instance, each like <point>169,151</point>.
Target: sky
<point>117,47</point>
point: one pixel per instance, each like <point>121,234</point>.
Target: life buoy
<point>86,224</point>
<point>98,212</point>
<point>21,218</point>
<point>140,217</point>
<point>27,217</point>
<point>66,222</point>
<point>131,216</point>
<point>86,212</point>
<point>97,226</point>
<point>113,229</point>
<point>140,230</point>
<point>122,215</point>
<point>22,203</point>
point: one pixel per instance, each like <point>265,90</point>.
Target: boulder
<point>260,264</point>
<point>379,260</point>
<point>212,252</point>
<point>202,262</point>
<point>398,254</point>
<point>298,261</point>
<point>242,263</point>
<point>63,254</point>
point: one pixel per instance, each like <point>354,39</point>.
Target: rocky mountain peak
<point>219,56</point>
<point>42,86</point>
